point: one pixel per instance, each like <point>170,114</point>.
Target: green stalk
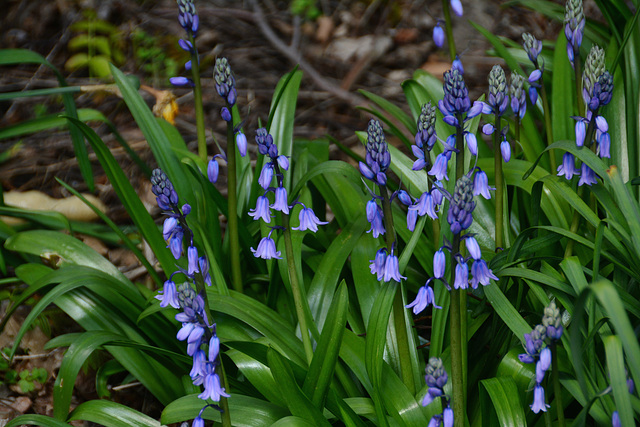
<point>197,98</point>
<point>578,80</point>
<point>297,290</point>
<point>457,312</point>
<point>398,307</point>
<point>449,29</point>
<point>548,129</point>
<point>556,384</point>
<point>500,188</point>
<point>232,218</point>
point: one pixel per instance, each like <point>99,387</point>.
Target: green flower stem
<point>548,129</point>
<point>398,306</point>
<point>555,368</point>
<point>500,188</point>
<point>197,98</point>
<point>448,28</point>
<point>578,80</point>
<point>457,311</point>
<point>299,297</point>
<point>232,218</point>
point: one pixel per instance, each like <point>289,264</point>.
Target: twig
<point>296,57</point>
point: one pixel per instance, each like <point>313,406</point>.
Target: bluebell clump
<point>189,20</point>
<point>436,378</point>
<point>203,344</point>
<point>573,27</point>
<point>538,346</point>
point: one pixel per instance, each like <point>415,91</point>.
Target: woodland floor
<point>370,45</point>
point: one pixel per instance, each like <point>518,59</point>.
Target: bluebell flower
<point>594,67</point>
<point>456,6</point>
<point>162,188</point>
<point>225,114</point>
<point>439,264</point>
<point>568,166</point>
<point>204,270</point>
<point>308,220</point>
<point>538,400</point>
<point>266,175</point>
<point>185,45</point>
<point>266,249</point>
<point>168,295</point>
<point>169,226</point>
<point>283,162</point>
<point>518,95</point>
<point>543,364</point>
<point>472,142</point>
<point>532,47</point>
<point>378,264</point>
<point>587,175</point>
<point>498,97</point>
<point>175,244</point>
<point>192,257</point>
<point>472,247</point>
<point>214,348</point>
<point>481,185</point>
<point>371,210</point>
<point>439,169</point>
<point>225,82</point>
<point>424,298</point>
<point>281,204</point>
<point>456,95</point>
<point>404,197</point>
<point>181,81</point>
<point>213,170</point>
<point>552,320</point>
<point>198,422</point>
<point>187,16</point>
<point>438,34</point>
<point>481,274</point>
<point>505,150</point>
<point>261,210</point>
<point>461,279</point>
<point>574,27</point>
<point>391,269</point>
<point>462,206</point>
<point>412,217</point>
<point>581,131</point>
<point>615,419</point>
<point>241,143</point>
<point>436,378</point>
<point>456,64</point>
<point>447,416</point>
<point>426,205</point>
<point>377,224</point>
<point>212,388</point>
<point>378,157</point>
<point>199,360</point>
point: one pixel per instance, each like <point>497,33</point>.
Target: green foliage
<point>306,9</point>
<point>152,58</point>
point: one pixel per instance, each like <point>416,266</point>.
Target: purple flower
<point>261,210</point>
<point>283,162</point>
<point>604,144</point>
<point>192,257</point>
<point>488,129</point>
<point>538,400</point>
<point>308,220</point>
<point>212,388</point>
<point>456,6</point>
<point>447,416</point>
<point>587,176</point>
<point>412,217</point>
<point>197,422</point>
<point>439,264</point>
<point>439,169</point>
<point>198,364</point>
<point>377,225</point>
<point>472,142</point>
<point>175,244</point>
<point>461,280</point>
<point>438,35</point>
<point>241,142</point>
<point>266,175</point>
<point>225,114</point>
<point>581,131</point>
<point>423,299</point>
<point>505,149</point>
<point>214,348</point>
<point>204,270</point>
<point>281,203</point>
<point>481,185</point>
<point>169,226</point>
<point>615,419</point>
<point>568,167</point>
<point>391,269</point>
<point>426,205</point>
<point>481,274</point>
<point>181,81</point>
<point>378,263</point>
<point>543,364</point>
<point>472,247</point>
<point>213,169</point>
<point>168,295</point>
<point>404,198</point>
<point>266,249</point>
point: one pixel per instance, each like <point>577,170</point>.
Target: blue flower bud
<point>241,143</point>
<point>404,198</point>
<point>438,35</point>
<point>213,169</point>
<point>266,175</point>
<point>181,81</point>
<point>472,142</point>
<point>581,131</point>
<point>505,149</point>
<point>281,204</point>
<point>192,257</point>
<point>225,114</point>
<point>439,264</point>
<point>456,6</point>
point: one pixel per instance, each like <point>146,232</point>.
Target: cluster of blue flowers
<point>538,345</point>
<point>385,264</point>
<point>533,47</point>
<point>188,18</point>
<point>573,27</point>
<point>226,88</point>
<point>436,377</point>
<point>273,168</point>
<point>497,103</point>
<point>202,341</point>
<point>597,91</point>
<point>457,110</point>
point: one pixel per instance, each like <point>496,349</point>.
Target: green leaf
<point>563,97</point>
<point>298,403</point>
<point>506,407</point>
<point>72,362</point>
<point>36,420</point>
<point>111,414</point>
<point>323,364</point>
<point>615,366</point>
<point>129,198</point>
<point>507,311</point>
